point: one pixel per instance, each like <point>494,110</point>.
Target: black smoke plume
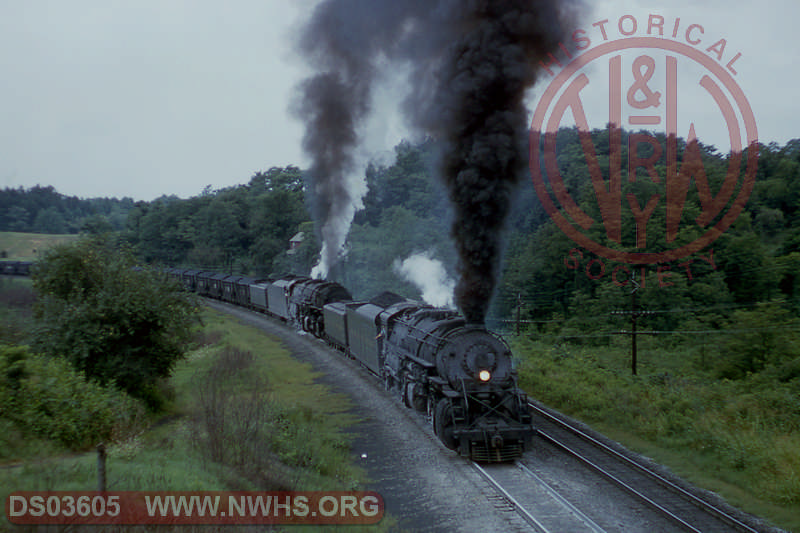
<point>471,63</point>
<point>345,40</point>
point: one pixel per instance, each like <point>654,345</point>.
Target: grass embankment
<point>16,301</point>
<point>739,438</point>
<point>243,415</point>
<point>28,246</point>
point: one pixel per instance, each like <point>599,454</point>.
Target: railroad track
<point>685,510</point>
<point>534,500</point>
<point>663,505</point>
<point>541,508</point>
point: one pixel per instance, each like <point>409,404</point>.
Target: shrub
<point>239,423</point>
<point>113,321</point>
<point>49,398</point>
<point>765,336</point>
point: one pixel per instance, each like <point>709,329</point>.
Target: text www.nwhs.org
<point>263,506</point>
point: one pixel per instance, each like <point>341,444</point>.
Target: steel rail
<point>591,524</point>
<point>688,496</point>
<point>527,516</point>
<point>611,477</point>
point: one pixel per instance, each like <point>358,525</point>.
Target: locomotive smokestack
<point>471,63</point>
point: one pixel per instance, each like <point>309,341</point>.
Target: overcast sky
<point>142,98</point>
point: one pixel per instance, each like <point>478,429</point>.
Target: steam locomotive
<point>459,374</point>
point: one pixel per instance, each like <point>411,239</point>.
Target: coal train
<point>460,375</point>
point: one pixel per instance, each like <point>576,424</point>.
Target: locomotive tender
<point>459,374</point>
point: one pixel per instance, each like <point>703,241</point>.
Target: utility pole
<point>634,316</point>
<point>635,313</point>
<point>101,467</point>
<point>519,307</point>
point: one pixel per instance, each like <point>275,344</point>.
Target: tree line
<point>44,210</point>
<point>242,228</point>
<point>247,229</point>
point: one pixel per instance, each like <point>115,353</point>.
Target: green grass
<point>28,246</point>
<point>289,379</point>
<point>306,419</point>
<point>303,442</point>
<point>16,299</point>
<point>738,438</point>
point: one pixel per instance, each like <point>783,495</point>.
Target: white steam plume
<point>336,227</point>
<point>430,276</point>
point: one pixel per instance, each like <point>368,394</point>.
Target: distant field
<point>27,246</point>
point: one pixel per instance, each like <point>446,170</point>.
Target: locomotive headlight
<point>484,375</point>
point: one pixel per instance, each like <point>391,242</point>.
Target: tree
<point>96,225</point>
<point>18,219</point>
<point>112,320</point>
<point>50,220</point>
<point>276,178</point>
<point>764,336</point>
<point>44,210</point>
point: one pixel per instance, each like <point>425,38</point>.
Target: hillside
<point>27,246</point>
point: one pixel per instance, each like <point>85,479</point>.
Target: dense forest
<point>745,284</point>
<point>247,228</point>
<point>756,259</point>
<point>44,210</point>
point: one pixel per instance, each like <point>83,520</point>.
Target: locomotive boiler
<point>462,376</point>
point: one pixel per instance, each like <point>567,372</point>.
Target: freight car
<point>15,268</point>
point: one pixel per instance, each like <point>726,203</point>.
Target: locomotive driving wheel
<point>413,396</point>
<point>388,381</point>
<point>443,423</point>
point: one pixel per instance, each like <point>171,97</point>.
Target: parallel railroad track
<point>539,505</point>
<point>541,508</point>
<point>687,511</point>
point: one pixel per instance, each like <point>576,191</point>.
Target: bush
<point>239,423</point>
<point>47,397</point>
<point>765,337</point>
<point>234,418</point>
<point>112,320</point>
